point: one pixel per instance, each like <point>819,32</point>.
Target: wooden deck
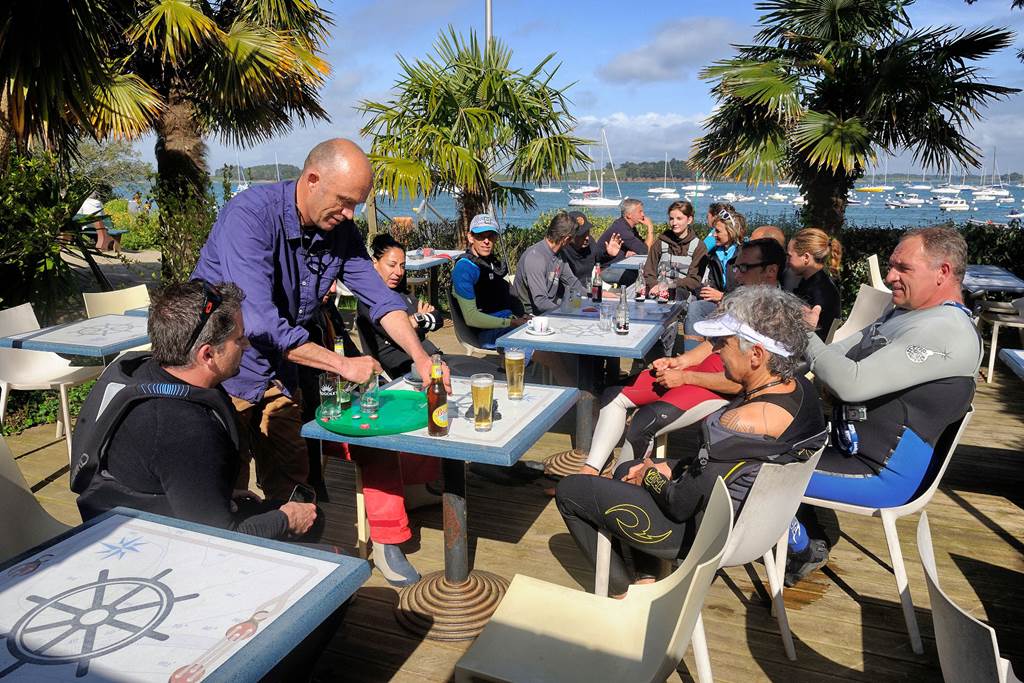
<point>846,621</point>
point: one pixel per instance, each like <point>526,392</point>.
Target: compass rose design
<point>119,611</point>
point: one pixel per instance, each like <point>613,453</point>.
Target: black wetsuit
<point>662,523</point>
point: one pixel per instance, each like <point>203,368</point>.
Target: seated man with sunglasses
<point>158,433</point>
<point>676,392</point>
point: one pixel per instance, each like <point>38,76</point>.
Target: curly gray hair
<point>774,313</point>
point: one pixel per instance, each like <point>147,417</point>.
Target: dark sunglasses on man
<point>744,267</point>
<point>211,302</point>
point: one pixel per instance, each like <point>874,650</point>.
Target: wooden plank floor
<point>846,621</point>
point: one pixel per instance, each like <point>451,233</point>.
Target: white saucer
<point>540,334</point>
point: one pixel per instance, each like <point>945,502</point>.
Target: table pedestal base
<point>437,609</point>
<point>569,462</point>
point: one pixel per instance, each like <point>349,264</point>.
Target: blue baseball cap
<point>483,222</point>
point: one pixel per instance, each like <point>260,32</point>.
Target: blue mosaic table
<point>102,336</point>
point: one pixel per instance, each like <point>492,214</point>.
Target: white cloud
<point>677,49</point>
<point>642,137</point>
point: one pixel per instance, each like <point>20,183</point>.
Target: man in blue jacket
<point>284,244</point>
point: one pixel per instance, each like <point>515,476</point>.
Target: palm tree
<point>184,69</point>
<point>463,119</point>
<point>829,84</point>
<point>241,70</point>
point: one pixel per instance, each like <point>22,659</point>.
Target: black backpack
<point>115,393</point>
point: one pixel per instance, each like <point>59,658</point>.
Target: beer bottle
<point>595,290</point>
<point>437,401</point>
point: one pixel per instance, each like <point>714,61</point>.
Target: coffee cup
<point>539,324</point>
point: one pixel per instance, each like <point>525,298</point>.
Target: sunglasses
<point>725,215</point>
<point>744,267</point>
<point>212,300</point>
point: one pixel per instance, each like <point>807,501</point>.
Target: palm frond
<point>124,107</point>
<point>832,143</point>
<point>175,28</point>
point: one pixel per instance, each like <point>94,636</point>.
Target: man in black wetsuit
<point>180,457</point>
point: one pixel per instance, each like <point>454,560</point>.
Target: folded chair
<point>867,308</point>
<point>545,632</point>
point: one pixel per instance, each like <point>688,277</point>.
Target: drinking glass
<point>483,401</point>
<point>329,406</point>
<point>515,372</point>
<point>369,396</point>
<point>607,319</point>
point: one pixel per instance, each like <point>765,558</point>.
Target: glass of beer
<point>515,372</point>
<point>483,401</point>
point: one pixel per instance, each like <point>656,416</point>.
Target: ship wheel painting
<point>90,621</point>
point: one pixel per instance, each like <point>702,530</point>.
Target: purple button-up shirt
<point>285,272</point>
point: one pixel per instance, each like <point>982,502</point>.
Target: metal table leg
<point>569,462</point>
<point>434,299</point>
<point>454,604</point>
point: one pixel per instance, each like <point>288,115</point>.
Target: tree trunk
<point>826,194</point>
<point>468,206</point>
<point>180,151</point>
<point>182,185</point>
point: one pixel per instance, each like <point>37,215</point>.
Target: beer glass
<point>515,372</point>
<point>329,406</point>
<point>483,401</point>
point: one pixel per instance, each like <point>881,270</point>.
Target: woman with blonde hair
<point>816,257</point>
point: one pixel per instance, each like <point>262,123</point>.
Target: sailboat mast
<point>611,161</point>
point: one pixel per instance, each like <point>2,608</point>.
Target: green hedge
<point>27,409</point>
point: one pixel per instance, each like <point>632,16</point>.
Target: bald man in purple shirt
<point>284,244</point>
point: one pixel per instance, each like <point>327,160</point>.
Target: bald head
<point>770,232</point>
<point>336,177</point>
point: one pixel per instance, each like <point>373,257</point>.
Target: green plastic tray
<point>399,412</point>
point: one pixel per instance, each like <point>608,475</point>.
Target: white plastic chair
<point>877,281</point>
<point>867,308</point>
<point>27,523</point>
<point>22,370</point>
<point>944,448</point>
<point>968,650</point>
<point>763,523</point>
<point>545,632</point>
<point>115,302</point>
<point>1000,314</point>
<point>463,332</point>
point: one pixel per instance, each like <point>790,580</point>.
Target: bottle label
<point>440,415</point>
<point>435,372</point>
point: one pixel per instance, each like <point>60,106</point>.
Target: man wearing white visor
<point>655,505</point>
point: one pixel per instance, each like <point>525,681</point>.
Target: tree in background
<point>829,84</point>
<point>109,164</point>
<point>463,118</point>
<point>242,70</point>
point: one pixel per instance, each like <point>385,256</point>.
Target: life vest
<point>116,392</point>
<point>492,291</point>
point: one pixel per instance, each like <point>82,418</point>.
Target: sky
<point>631,68</point>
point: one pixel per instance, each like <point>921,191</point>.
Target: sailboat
<point>242,184</point>
<point>589,187</point>
<point>549,188</point>
<point>277,167</point>
<point>872,187</point>
<point>993,189</point>
<point>886,187</point>
<point>664,189</point>
<point>597,199</point>
<point>923,185</point>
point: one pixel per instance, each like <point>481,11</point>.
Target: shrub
<point>38,202</point>
<point>31,408</point>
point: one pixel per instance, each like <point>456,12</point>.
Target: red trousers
<point>643,390</point>
<point>385,473</point>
